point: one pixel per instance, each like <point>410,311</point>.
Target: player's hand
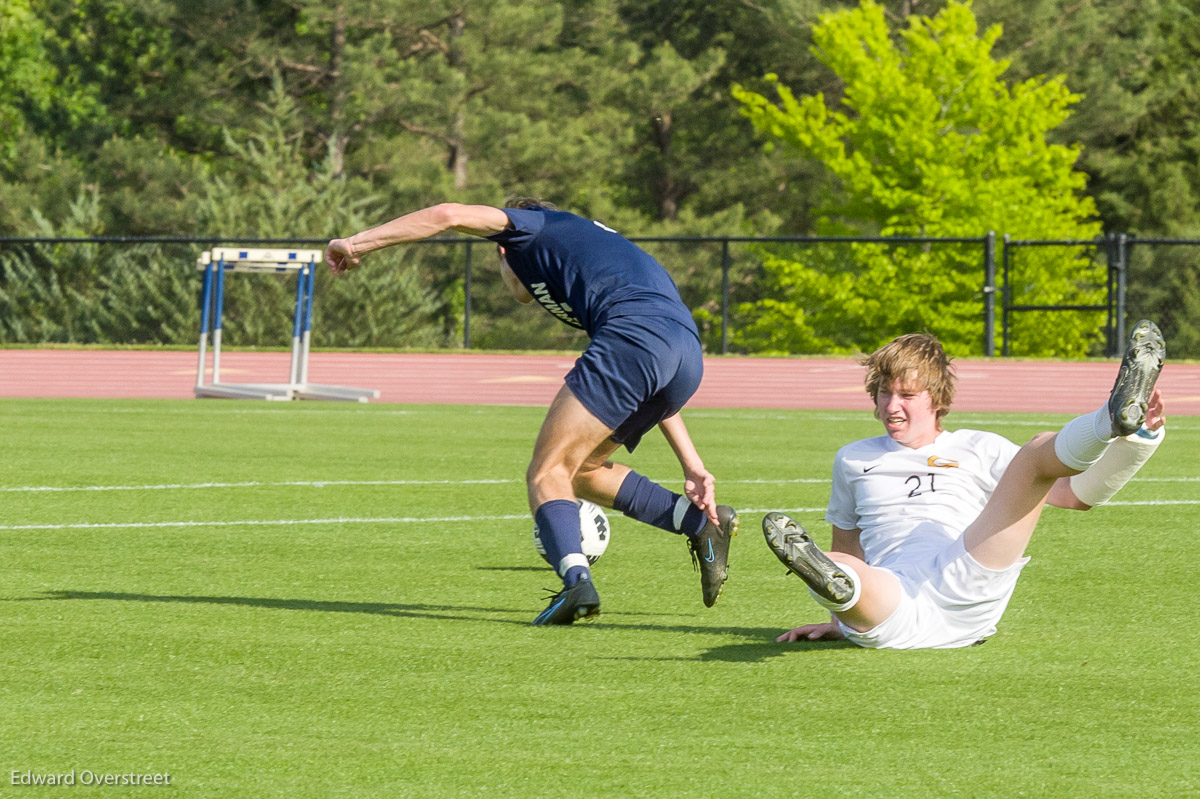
<point>700,488</point>
<point>829,631</point>
<point>340,256</point>
<point>1155,412</point>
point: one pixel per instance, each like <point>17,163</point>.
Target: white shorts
<point>947,600</point>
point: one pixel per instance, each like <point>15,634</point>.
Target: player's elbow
<point>447,215</point>
<point>476,220</point>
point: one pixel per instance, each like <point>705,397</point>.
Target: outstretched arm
<point>698,484</point>
<point>474,220</point>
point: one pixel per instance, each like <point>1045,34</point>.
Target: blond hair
<point>918,361</point>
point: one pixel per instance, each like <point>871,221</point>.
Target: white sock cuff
<point>571,559</point>
<point>1079,444</point>
<point>1116,467</point>
<point>838,607</point>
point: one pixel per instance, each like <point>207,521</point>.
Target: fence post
<point>1006,297</point>
<point>989,294</point>
<point>725,296</point>
<point>1110,299</point>
<point>1121,270</point>
<point>467,302</point>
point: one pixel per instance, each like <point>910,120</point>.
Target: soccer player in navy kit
<point>642,365</point>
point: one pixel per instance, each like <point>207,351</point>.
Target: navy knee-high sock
<point>645,500</point>
<point>558,529</point>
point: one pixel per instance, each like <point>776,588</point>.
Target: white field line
<point>214,409</point>
<point>972,418</point>
<point>484,481</point>
<point>297,522</point>
<point>326,483</point>
<point>398,519</point>
<point>960,418</point>
<point>262,522</point>
<point>250,484</point>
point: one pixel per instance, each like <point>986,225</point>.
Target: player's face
<point>907,413</point>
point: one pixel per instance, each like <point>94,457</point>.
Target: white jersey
<point>908,501</point>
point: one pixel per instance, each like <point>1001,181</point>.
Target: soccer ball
<point>593,528</point>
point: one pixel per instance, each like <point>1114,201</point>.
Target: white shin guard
<point>1116,467</point>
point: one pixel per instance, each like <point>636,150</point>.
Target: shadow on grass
<point>417,611</point>
<point>759,651</point>
<point>420,611</point>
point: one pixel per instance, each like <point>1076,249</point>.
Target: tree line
<point>293,118</point>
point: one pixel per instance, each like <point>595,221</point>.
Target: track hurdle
<point>303,263</point>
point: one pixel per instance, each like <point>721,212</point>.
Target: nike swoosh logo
<point>710,557</point>
<point>868,468</point>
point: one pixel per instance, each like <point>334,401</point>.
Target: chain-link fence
<point>1010,297</point>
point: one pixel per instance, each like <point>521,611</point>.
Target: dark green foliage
<point>1136,65</point>
<point>162,110</point>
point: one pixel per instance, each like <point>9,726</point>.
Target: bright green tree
<point>26,75</point>
<point>927,139</point>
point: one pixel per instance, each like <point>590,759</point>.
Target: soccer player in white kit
<point>929,525</point>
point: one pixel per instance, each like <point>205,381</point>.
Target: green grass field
<point>320,600</point>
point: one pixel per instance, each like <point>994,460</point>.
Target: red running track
<point>477,378</point>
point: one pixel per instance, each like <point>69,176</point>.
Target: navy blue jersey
<point>584,273</point>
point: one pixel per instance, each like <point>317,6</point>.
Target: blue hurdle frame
<point>303,263</point>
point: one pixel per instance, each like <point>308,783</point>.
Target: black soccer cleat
<point>580,601</point>
<point>792,544</point>
<point>1135,382</point>
<point>710,552</point>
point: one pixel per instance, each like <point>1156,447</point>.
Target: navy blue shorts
<point>637,371</point>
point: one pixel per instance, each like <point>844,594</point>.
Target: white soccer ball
<point>593,528</point>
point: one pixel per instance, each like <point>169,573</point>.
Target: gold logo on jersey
<point>941,463</point>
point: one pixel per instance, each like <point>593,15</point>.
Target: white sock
<point>570,560</point>
<point>838,607</point>
<point>1084,439</point>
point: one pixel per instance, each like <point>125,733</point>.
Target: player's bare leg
<point>600,481</point>
<point>569,435</point>
<point>598,478</point>
<point>1000,534</point>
